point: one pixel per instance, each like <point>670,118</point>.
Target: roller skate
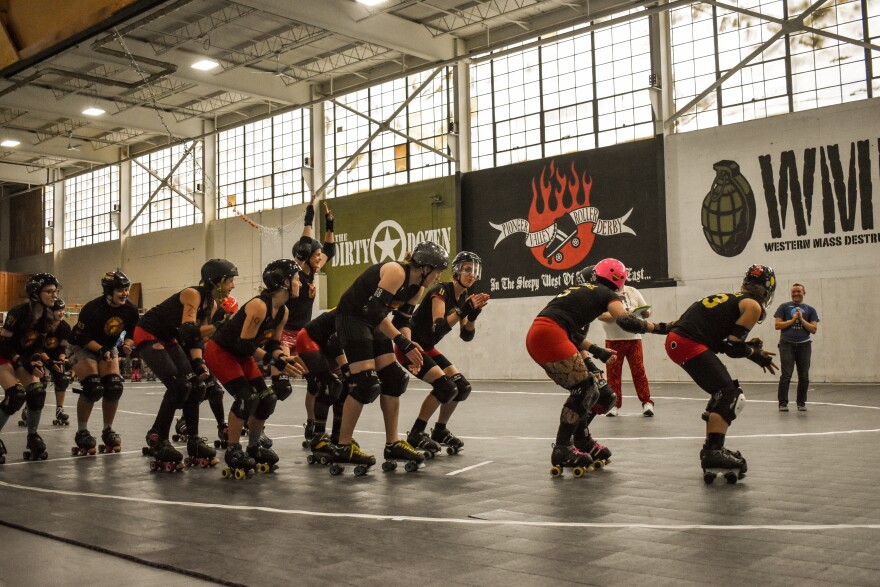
<point>135,375</point>
<point>238,464</point>
<point>308,433</point>
<point>320,447</point>
<point>85,444</point>
<point>721,461</point>
<point>421,441</point>
<point>265,441</point>
<point>112,441</point>
<point>2,453</point>
<point>266,458</point>
<point>402,451</point>
<point>569,456</point>
<point>36,448</point>
<point>61,417</point>
<point>166,458</point>
<point>222,436</point>
<point>600,454</point>
<point>23,417</point>
<point>350,453</point>
<point>453,444</point>
<point>199,453</point>
<point>180,434</point>
<point>152,439</point>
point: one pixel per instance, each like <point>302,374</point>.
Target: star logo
<point>387,245</point>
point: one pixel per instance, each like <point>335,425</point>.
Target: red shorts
<point>401,358</point>
<point>682,349</point>
<point>304,343</point>
<point>225,366</point>
<point>548,342</point>
<point>288,338</point>
<point>141,336</point>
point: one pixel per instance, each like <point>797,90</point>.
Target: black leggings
<point>707,371</point>
<point>169,364</point>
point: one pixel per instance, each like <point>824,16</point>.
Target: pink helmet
<point>612,272</point>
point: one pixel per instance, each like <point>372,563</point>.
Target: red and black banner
<point>535,224</point>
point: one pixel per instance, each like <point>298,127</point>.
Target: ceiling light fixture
<point>10,143</point>
<point>205,65</point>
<point>93,111</point>
<point>370,2</point>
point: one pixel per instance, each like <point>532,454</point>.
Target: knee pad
<point>112,387</point>
<point>365,386</point>
<point>394,379</point>
<point>213,391</point>
<point>35,395</point>
<point>311,385</point>
<point>62,381</point>
<point>444,389</point>
<point>463,386</point>
<point>281,386</point>
<point>728,402</point>
<point>177,391</point>
<point>13,399</point>
<point>197,392</point>
<point>92,389</point>
<point>265,407</point>
<point>582,397</point>
<point>607,398</point>
<point>328,388</point>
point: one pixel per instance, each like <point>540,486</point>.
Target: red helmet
<point>611,273</point>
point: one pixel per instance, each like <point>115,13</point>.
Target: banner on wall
<point>384,225</point>
<point>535,224</point>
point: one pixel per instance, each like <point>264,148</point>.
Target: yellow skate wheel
<point>578,472</point>
<point>226,473</point>
<point>239,474</point>
<point>263,468</point>
<point>555,471</point>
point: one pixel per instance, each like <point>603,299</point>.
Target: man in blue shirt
<point>798,322</point>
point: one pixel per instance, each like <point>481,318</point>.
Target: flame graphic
<point>555,193</point>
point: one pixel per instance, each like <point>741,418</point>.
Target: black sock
<point>419,426</point>
<point>563,435</point>
<point>320,427</point>
<point>715,440</point>
<point>439,427</point>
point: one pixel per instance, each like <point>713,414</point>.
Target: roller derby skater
<point>170,341</point>
<point>102,322</point>
<point>199,453</point>
<point>58,366</point>
<point>85,443</point>
<point>22,358</point>
<point>557,342</point>
<point>719,323</point>
<point>583,440</point>
<point>365,331</point>
<point>446,305</point>
<point>252,334</point>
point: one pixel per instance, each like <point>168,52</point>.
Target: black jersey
<point>229,331</point>
<point>299,308</point>
<point>355,298</point>
<point>322,328</point>
<point>163,320</point>
<point>102,323</point>
<point>577,306</point>
<point>710,321</point>
<point>423,318</point>
<point>27,335</point>
<point>56,339</point>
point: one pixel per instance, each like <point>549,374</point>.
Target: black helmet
<point>584,275</point>
<point>278,271</point>
<point>305,248</point>
<point>113,280</point>
<point>36,283</point>
<point>58,305</point>
<point>466,257</point>
<point>428,254</point>
<point>214,271</point>
<point>762,276</point>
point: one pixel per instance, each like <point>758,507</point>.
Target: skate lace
<point>407,447</point>
<point>356,451</point>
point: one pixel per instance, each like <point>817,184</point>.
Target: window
<point>48,218</point>
<point>89,199</point>
<point>172,204</point>
<point>258,165</point>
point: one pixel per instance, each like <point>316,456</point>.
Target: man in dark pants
<point>798,322</point>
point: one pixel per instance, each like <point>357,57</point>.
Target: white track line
<point>468,468</point>
<point>429,520</point>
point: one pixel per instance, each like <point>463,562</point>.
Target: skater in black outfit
<point>96,357</point>
<point>720,323</point>
<point>445,305</point>
<point>311,256</point>
<point>56,353</point>
<point>254,334</point>
<point>557,342</point>
<point>22,340</point>
<point>170,339</point>
<point>365,332</point>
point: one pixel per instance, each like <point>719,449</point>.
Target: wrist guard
<point>763,361</point>
<point>328,223</point>
<point>310,215</point>
<point>599,352</point>
<point>404,344</point>
<point>199,367</point>
<point>277,362</point>
<point>660,328</point>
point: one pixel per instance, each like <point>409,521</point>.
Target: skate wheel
<point>74,451</point>
<point>226,473</point>
<point>600,464</point>
<point>336,470</point>
<point>305,443</point>
<point>731,478</point>
<point>2,460</point>
<point>117,449</point>
<point>311,459</point>
<point>26,455</point>
<point>145,450</point>
<point>575,242</point>
<point>578,472</point>
<point>428,455</point>
<point>451,451</point>
<point>324,461</point>
<point>708,477</point>
<point>92,450</point>
<point>361,470</point>
<point>187,462</point>
<point>263,468</point>
<point>388,466</point>
<point>239,474</point>
<point>216,444</point>
<point>154,466</point>
<point>555,471</point>
<point>411,467</point>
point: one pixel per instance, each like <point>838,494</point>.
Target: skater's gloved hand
<point>310,215</point>
<point>409,348</point>
<point>201,369</point>
<point>756,343</point>
<point>295,366</point>
<point>328,221</point>
<point>34,365</point>
<point>58,366</point>
<point>660,328</point>
<point>466,309</point>
<point>603,354</point>
<point>105,354</point>
<point>765,360</point>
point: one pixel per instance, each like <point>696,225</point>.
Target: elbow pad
<point>467,335</point>
<point>190,336</point>
<point>378,305</point>
<point>440,327</point>
<point>631,323</point>
<point>329,250</point>
<point>403,316</point>
<point>246,347</point>
<point>737,350</point>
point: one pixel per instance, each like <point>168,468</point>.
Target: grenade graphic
<point>728,213</point>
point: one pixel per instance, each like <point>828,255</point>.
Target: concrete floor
<point>806,514</point>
